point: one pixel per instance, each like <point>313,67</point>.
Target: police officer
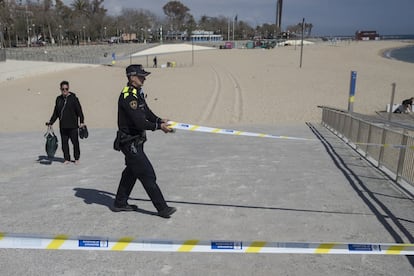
<point>134,118</point>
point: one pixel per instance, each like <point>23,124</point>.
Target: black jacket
<point>134,115</point>
<point>407,102</point>
<point>68,110</point>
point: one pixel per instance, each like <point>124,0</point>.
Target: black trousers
<point>138,167</point>
<point>72,134</point>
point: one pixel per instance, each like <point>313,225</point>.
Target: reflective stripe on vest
<point>127,90</point>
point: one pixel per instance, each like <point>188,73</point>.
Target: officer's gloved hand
<point>165,127</point>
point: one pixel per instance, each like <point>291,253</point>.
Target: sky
<point>328,17</point>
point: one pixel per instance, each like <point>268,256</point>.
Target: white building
<point>199,36</point>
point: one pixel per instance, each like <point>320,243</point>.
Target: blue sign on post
<point>113,58</point>
<point>352,91</point>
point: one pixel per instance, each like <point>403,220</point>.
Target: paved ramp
<point>224,187</point>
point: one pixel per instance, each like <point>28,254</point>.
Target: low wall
<point>2,54</point>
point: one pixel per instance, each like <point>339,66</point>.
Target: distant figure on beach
<point>155,62</point>
<point>406,106</point>
<point>69,111</point>
<point>134,118</point>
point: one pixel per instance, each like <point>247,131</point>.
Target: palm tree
<point>80,6</point>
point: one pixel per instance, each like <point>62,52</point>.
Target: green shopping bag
<point>51,142</point>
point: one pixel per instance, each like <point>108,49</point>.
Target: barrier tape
<point>64,242</point>
<point>183,126</point>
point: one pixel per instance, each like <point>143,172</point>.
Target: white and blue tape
<point>65,242</point>
<point>190,127</point>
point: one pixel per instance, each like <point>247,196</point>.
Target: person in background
<point>407,105</point>
<point>134,118</point>
<point>69,111</point>
<point>155,62</point>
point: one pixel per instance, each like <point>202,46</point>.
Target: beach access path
<point>225,187</point>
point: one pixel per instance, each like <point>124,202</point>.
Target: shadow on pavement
<point>93,196</point>
<point>382,211</point>
<point>44,160</point>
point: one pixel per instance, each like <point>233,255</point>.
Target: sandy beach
<point>226,188</point>
<point>218,87</point>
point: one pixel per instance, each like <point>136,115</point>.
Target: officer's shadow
<point>93,196</point>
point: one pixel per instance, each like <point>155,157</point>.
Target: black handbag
<point>83,132</point>
<point>51,142</point>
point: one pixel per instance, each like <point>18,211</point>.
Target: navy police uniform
<point>134,118</point>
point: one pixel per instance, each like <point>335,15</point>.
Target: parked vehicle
<point>227,45</point>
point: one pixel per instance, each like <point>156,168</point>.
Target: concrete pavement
<point>224,187</point>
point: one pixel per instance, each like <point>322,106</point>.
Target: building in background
<point>367,35</point>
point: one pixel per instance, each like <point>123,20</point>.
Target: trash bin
<point>250,45</point>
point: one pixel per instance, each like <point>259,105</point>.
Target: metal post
<point>301,43</point>
<point>232,32</point>
<point>228,31</point>
<point>350,129</point>
<point>352,91</point>
<point>368,140</point>
<point>381,155</point>
<point>60,35</point>
<point>192,51</point>
<point>28,29</point>
<point>402,155</point>
<point>34,32</point>
<point>161,35</point>
<point>392,101</point>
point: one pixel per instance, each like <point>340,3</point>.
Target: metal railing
<point>390,147</point>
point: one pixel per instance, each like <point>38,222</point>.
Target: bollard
<point>352,91</point>
<point>392,101</point>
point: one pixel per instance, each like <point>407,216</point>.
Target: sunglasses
<point>64,88</point>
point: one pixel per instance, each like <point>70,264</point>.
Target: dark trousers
<point>138,167</point>
<point>72,134</point>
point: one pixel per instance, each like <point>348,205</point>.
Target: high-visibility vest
<point>129,89</point>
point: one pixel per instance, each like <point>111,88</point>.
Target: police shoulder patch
<point>133,104</point>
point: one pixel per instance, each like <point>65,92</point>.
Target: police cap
<point>136,70</point>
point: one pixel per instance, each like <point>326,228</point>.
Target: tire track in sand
<point>222,75</point>
<point>211,105</point>
<point>238,99</point>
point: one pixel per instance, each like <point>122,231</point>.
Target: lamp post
<point>84,37</point>
<point>1,40</point>
<point>301,42</point>
<point>29,38</point>
<point>27,27</point>
<point>34,32</point>
<point>161,35</point>
<point>105,32</point>
<point>60,35</point>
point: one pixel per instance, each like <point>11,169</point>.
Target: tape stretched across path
<point>183,126</point>
<point>190,127</point>
<point>64,242</point>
